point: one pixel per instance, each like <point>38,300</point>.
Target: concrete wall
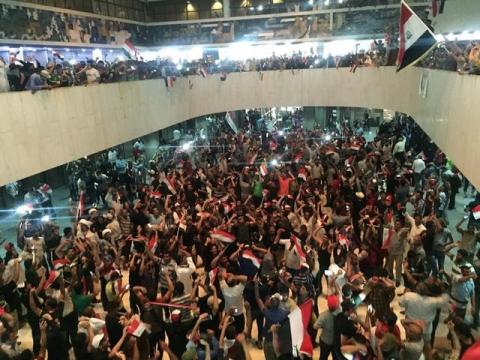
<point>458,16</point>
<point>43,130</point>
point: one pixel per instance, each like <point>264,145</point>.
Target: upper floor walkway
<point>49,128</point>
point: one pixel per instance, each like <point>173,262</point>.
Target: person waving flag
<point>416,39</point>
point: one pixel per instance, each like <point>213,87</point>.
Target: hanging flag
<point>416,39</point>
<point>263,169</point>
<point>387,237</point>
<point>80,206</point>
<point>476,212</point>
<point>212,276</point>
<point>435,7</point>
<point>136,328</point>
<point>343,240</point>
<point>223,236</point>
<point>59,264</point>
<point>298,249</point>
<point>230,122</point>
<point>131,50</point>
<point>52,276</point>
<point>153,242</point>
<point>294,333</point>
<point>249,255</point>
<point>170,186</point>
<point>169,80</point>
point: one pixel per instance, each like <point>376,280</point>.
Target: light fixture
<point>310,2</point>
<point>45,218</point>
<point>260,8</point>
<point>179,66</point>
<point>327,2</point>
<point>217,5</point>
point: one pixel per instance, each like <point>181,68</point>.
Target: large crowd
<point>306,234</point>
<point>18,75</point>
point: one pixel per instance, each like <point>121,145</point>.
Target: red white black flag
<point>416,39</point>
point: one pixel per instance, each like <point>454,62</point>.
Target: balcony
<point>50,128</point>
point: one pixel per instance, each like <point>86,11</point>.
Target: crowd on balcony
<point>18,75</point>
<point>184,256</point>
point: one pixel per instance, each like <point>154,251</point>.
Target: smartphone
<point>127,286</point>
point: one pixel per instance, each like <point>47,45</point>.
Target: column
<point>226,8</point>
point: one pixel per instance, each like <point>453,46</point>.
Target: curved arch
<point>50,128</point>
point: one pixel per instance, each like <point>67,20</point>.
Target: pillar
<point>226,9</point>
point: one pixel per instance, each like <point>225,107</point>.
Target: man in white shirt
<point>416,226</point>
<point>232,290</point>
<point>420,306</point>
<point>418,168</point>
<point>185,271</point>
<point>93,76</point>
<point>399,150</point>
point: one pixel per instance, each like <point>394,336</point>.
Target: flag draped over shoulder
<point>294,333</point>
<point>416,39</point>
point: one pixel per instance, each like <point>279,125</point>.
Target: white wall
<point>50,128</point>
<point>458,16</point>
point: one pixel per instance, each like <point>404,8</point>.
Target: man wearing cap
<point>463,288</point>
<point>325,322</point>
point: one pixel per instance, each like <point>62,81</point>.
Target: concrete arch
<point>50,128</point>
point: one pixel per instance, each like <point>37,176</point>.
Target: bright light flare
<point>45,218</point>
<point>24,210</point>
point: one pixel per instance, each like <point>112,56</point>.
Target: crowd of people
<point>18,75</point>
<point>305,235</point>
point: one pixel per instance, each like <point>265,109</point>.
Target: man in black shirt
<point>344,328</point>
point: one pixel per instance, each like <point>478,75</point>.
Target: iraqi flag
<point>298,249</point>
<point>416,39</point>
<point>476,212</point>
<point>131,50</point>
<point>136,328</point>
<point>250,256</point>
<point>80,207</point>
<point>153,242</point>
<point>59,264</point>
<point>169,81</point>
<point>263,169</point>
<point>212,276</point>
<point>294,334</point>
<point>223,236</point>
<point>156,194</point>
<point>170,186</point>
<point>387,237</point>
